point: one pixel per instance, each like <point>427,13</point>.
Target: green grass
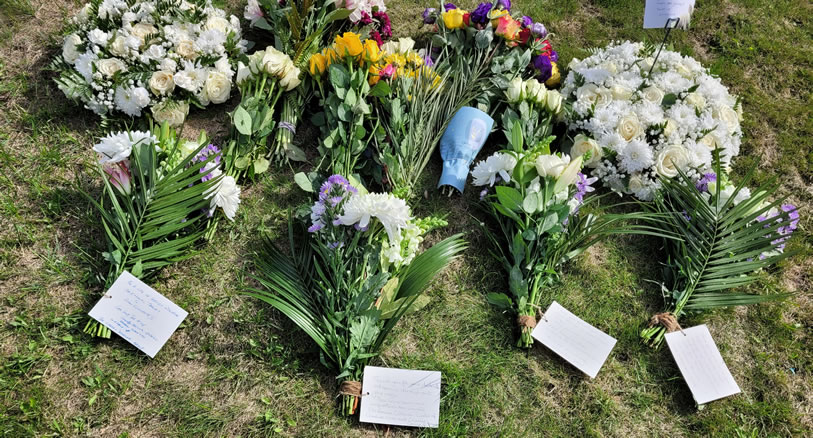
<point>238,368</point>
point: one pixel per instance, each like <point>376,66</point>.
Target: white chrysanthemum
<point>635,156</point>
<point>131,100</point>
<point>211,42</point>
<point>392,212</point>
<point>98,37</point>
<point>117,146</point>
<point>486,171</point>
<point>226,195</point>
<point>191,78</point>
<point>84,65</point>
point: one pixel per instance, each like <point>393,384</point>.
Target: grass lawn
<point>235,367</point>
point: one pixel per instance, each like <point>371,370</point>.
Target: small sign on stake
<point>138,313</point>
<point>576,341</point>
<point>660,13</point>
<point>701,364</point>
<point>400,397</point>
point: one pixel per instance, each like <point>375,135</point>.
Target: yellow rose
<point>453,19</point>
<point>348,44</point>
<point>555,77</point>
<point>371,51</point>
<point>318,63</point>
<point>162,83</point>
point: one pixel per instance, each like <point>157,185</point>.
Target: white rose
<point>553,101</point>
<point>141,30</point>
<point>727,115</point>
<point>583,144</point>
<point>670,159</point>
<point>119,46</point>
<point>710,141</point>
<point>217,87</point>
<point>573,63</point>
<point>161,83</point>
<point>291,78</point>
<point>603,97</point>
<point>653,94</point>
<point>587,92</point>
<point>219,24</point>
<point>670,127</point>
<point>696,100</point>
<point>540,97</point>
<point>646,64</point>
<point>629,127</point>
<point>255,62</point>
<point>620,92</point>
<point>405,44</point>
<point>516,90</point>
<point>69,51</point>
<point>684,70</point>
<point>274,61</point>
<point>187,49</point>
<point>243,73</point>
<point>168,64</point>
<point>610,67</point>
<point>636,183</point>
<point>550,165</point>
<point>110,66</point>
<point>174,113</point>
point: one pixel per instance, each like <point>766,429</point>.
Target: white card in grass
<point>400,397</point>
<point>576,341</point>
<point>658,12</point>
<point>701,364</point>
<point>138,313</point>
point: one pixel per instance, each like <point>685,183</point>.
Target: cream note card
<point>701,364</point>
<point>576,341</point>
<point>658,12</point>
<point>138,313</point>
<point>400,397</point>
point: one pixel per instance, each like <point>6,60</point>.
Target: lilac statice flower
<point>543,65</point>
<point>429,16</point>
<point>703,183</point>
<point>204,155</point>
<point>449,6</point>
<point>526,21</point>
<point>584,186</point>
<point>505,4</point>
<point>480,14</point>
<point>539,30</point>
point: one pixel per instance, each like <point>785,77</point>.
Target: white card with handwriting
<point>138,313</point>
<point>400,397</point>
<point>576,341</point>
<point>658,12</point>
<point>701,364</point>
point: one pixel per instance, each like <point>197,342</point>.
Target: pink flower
<point>387,72</point>
<point>119,174</point>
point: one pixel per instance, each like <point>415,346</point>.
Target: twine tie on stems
<point>351,388</point>
<point>526,321</point>
<point>667,320</point>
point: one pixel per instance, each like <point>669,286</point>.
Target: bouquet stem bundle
<point>347,284</point>
<point>726,235</point>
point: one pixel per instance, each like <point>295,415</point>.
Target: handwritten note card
<point>400,397</point>
<point>658,12</point>
<point>138,313</point>
<point>701,364</point>
<point>576,341</point>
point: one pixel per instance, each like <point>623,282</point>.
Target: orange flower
<point>508,28</point>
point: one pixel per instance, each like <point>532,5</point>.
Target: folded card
<point>138,313</point>
<point>658,12</point>
<point>701,364</point>
<point>576,341</point>
<point>400,397</point>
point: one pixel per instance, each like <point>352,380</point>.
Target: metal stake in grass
<point>674,23</point>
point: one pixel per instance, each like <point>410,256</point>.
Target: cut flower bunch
<point>125,58</point>
<point>357,272</point>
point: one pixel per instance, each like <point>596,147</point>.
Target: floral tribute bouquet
<point>533,106</point>
<point>155,55</point>
<point>268,75</point>
<point>159,195</point>
<point>644,122</point>
<point>487,47</point>
<point>726,235</point>
<point>536,205</point>
<point>356,274</point>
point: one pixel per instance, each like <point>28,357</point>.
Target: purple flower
<point>449,6</point>
<point>539,30</point>
<point>480,14</point>
<point>429,61</point>
<point>505,4</point>
<point>315,227</point>
<point>554,56</point>
<point>686,216</point>
<point>365,19</point>
<point>335,245</point>
<point>527,21</point>
<point>204,155</point>
<point>543,64</point>
<point>429,16</point>
<point>583,186</point>
<point>702,184</point>
<point>483,194</point>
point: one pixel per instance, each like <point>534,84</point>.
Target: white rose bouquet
<point>352,276</point>
<point>642,122</point>
<point>156,56</point>
<point>159,195</point>
<point>537,208</point>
